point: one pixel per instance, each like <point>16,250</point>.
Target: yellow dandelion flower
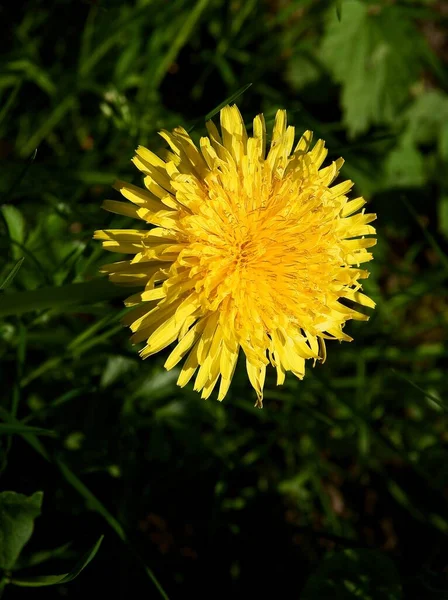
<point>248,249</point>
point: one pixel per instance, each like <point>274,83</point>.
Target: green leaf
<point>42,556</point>
<point>17,514</point>
<point>354,573</point>
<point>374,53</point>
<point>45,580</point>
<point>16,226</point>
<point>11,428</point>
<point>116,367</point>
<point>60,298</point>
<point>10,277</point>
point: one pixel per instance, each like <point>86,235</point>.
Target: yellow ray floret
<point>246,249</point>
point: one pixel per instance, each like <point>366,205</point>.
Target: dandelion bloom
<point>247,249</point>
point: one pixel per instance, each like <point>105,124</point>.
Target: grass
<point>338,487</point>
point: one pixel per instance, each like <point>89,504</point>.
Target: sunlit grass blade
<point>45,580</point>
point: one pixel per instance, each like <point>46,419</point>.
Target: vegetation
<point>338,487</point>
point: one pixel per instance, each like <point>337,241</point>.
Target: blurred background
<point>338,488</point>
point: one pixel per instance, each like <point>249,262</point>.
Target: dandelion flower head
<point>240,248</point>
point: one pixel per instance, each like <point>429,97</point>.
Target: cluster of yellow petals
<point>248,248</point>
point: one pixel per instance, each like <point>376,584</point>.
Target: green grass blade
<point>227,101</point>
<point>91,499</point>
<point>180,40</point>
<point>10,277</point>
<point>13,428</point>
<point>8,104</point>
<point>97,505</point>
<point>427,395</point>
<point>28,437</point>
<point>45,580</point>
<point>96,290</point>
<point>24,171</point>
<point>216,110</point>
<point>50,122</point>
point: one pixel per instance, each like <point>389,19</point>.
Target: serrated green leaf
<point>17,514</point>
<point>45,580</point>
<point>354,573</point>
<point>374,53</point>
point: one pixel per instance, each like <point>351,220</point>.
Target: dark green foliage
<point>338,487</point>
<point>354,574</point>
<point>17,514</point>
